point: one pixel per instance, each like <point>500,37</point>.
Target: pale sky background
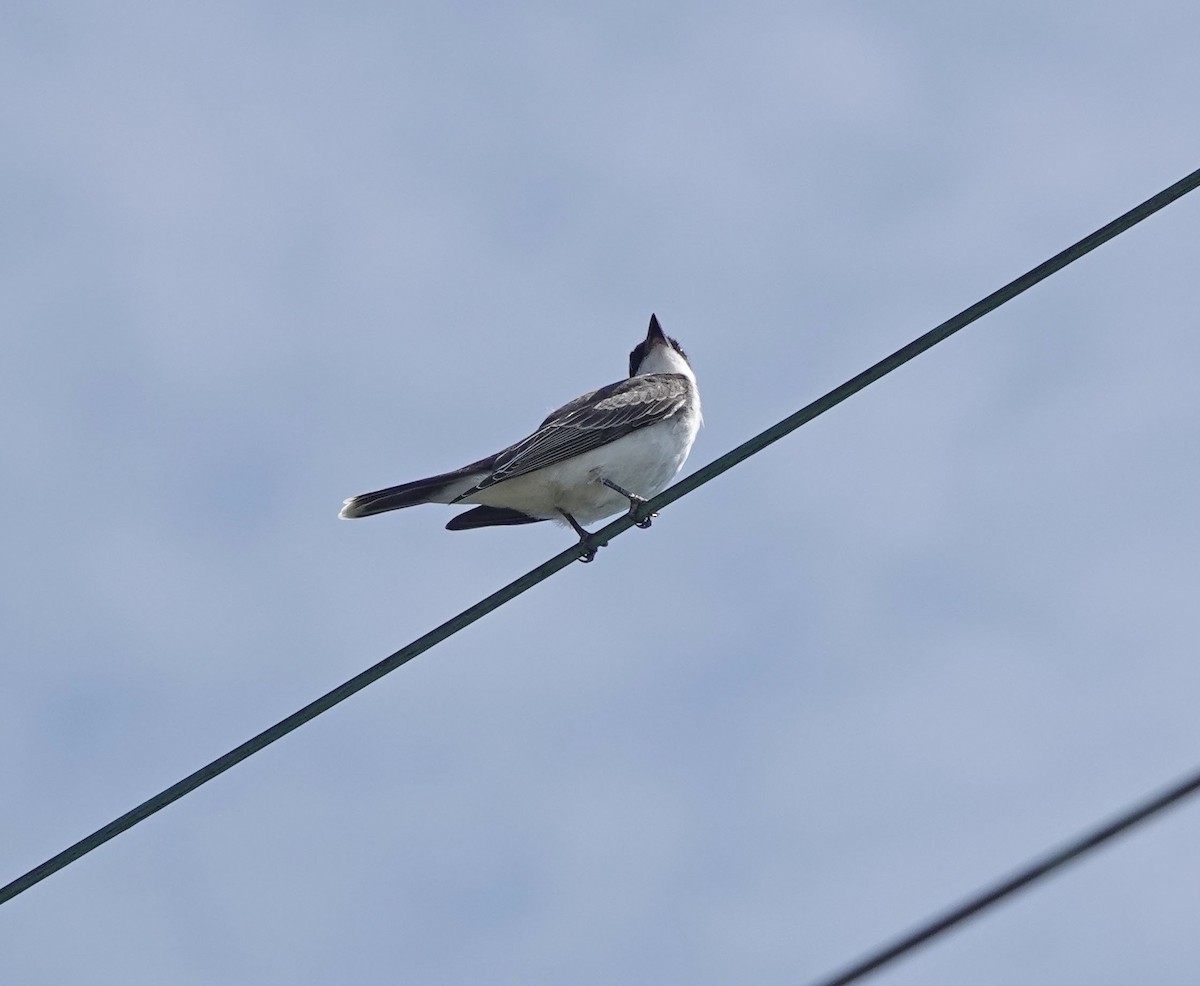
<point>259,257</point>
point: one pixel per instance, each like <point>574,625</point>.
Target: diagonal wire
<point>601,537</point>
<point>921,343</point>
<point>992,895</point>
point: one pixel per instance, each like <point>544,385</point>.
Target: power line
<point>1033,872</point>
<point>601,537</point>
<point>922,343</point>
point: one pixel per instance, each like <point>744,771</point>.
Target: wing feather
<point>589,422</point>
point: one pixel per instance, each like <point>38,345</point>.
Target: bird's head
<point>658,353</point>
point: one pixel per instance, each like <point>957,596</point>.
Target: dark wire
<point>603,536</point>
<point>990,896</point>
<point>921,343</point>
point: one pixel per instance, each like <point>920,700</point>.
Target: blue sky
<point>247,248</point>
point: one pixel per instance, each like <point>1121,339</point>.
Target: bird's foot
<point>642,522</point>
<point>635,505</point>
<point>587,549</point>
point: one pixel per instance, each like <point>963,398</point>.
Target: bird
<point>608,450</point>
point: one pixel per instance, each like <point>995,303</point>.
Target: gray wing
<point>589,422</point>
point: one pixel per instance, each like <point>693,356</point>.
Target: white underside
<point>643,462</point>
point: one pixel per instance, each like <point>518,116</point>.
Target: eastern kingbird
<point>606,451</point>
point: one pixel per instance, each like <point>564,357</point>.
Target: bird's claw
<point>635,505</point>
<point>588,549</point>
<point>643,522</point>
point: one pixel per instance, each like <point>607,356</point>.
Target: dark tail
<point>395,497</point>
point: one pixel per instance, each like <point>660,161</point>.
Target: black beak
<point>656,333</point>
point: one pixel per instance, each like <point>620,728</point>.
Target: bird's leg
<point>635,502</point>
<point>585,539</point>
